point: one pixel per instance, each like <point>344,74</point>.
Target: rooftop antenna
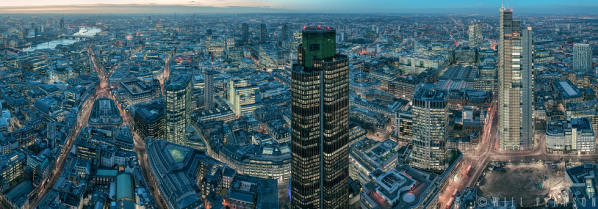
<point>502,4</point>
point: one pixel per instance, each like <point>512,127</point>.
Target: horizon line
<point>191,9</point>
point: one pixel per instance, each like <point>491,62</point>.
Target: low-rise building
<point>575,135</point>
<point>12,168</point>
<point>583,185</point>
<point>367,155</point>
<point>404,189</point>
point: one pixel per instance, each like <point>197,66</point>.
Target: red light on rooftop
<point>319,26</point>
<point>304,27</point>
<point>327,27</point>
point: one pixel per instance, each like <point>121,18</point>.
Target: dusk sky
<point>326,5</point>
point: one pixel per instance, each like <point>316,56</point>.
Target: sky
<point>349,6</point>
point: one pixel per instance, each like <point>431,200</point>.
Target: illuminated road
<point>165,73</point>
<point>138,141</point>
<point>48,183</point>
<point>102,90</point>
<point>475,161</point>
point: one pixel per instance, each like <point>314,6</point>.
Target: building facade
<point>515,82</point>
<point>242,96</point>
<point>430,129</point>
<point>178,104</point>
<point>575,135</point>
<point>474,33</point>
<point>208,91</point>
<point>582,58</point>
<point>320,123</point>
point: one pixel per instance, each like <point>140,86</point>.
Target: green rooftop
<point>176,154</point>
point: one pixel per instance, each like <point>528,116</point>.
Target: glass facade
<point>430,130</point>
<point>515,82</point>
<point>320,123</point>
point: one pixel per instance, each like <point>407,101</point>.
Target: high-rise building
<point>208,91</point>
<point>515,84</point>
<point>582,58</point>
<point>475,34</point>
<point>242,95</point>
<point>178,104</point>
<point>244,33</point>
<point>320,122</point>
<point>284,34</point>
<point>430,129</point>
<point>263,33</point>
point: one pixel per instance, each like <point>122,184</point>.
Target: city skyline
<point>280,104</point>
<point>289,6</point>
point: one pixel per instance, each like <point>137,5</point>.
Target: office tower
<point>150,119</point>
<point>527,82</point>
<point>263,33</point>
<point>284,36</point>
<point>475,34</point>
<point>244,33</point>
<point>582,58</point>
<point>515,82</point>
<point>208,91</point>
<point>241,95</point>
<point>62,23</point>
<point>51,133</point>
<point>178,103</point>
<point>430,129</point>
<point>319,124</point>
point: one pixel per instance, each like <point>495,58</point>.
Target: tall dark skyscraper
<point>515,84</point>
<point>284,34</point>
<point>320,127</point>
<point>263,33</point>
<point>244,33</point>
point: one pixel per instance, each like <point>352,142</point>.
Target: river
<point>84,32</point>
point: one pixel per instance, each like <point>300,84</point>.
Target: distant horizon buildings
<point>244,33</point>
<point>319,123</point>
<point>582,58</point>
<point>515,84</point>
<point>178,104</point>
<point>263,33</point>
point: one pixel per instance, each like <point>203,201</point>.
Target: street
<point>102,90</point>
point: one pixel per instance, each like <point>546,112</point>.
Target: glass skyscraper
<point>320,122</point>
<point>178,100</point>
<point>582,58</point>
<point>430,129</point>
<point>515,76</point>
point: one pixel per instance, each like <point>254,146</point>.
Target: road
<point>165,73</point>
<point>475,161</point>
<point>102,90</point>
<point>48,183</point>
<point>138,141</point>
